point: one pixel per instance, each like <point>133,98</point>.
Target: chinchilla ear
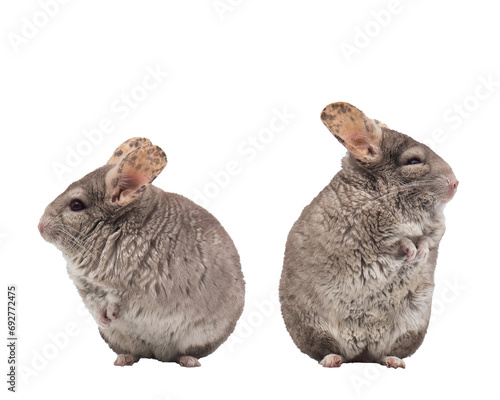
<point>127,180</point>
<point>360,135</point>
<point>127,147</point>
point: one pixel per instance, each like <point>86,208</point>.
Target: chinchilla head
<point>99,202</point>
<point>390,161</point>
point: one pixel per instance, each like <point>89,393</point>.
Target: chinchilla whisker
<point>79,243</point>
<point>75,242</point>
<point>395,191</point>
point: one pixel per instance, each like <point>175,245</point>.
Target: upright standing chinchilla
<point>358,273</point>
<point>160,275</point>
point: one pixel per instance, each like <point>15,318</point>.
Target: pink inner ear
<point>132,180</point>
<point>360,143</point>
<point>358,138</point>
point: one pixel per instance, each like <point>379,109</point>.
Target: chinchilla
<point>159,273</point>
<point>359,264</point>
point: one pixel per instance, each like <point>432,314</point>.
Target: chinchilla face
<point>391,161</point>
<point>413,167</point>
<point>77,212</point>
<point>81,213</point>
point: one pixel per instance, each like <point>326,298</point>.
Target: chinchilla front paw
<point>408,248</point>
<point>416,253</point>
<point>422,250</point>
<point>107,315</point>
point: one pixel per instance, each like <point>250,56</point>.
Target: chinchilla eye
<point>414,161</point>
<point>76,205</point>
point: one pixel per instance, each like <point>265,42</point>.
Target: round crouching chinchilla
<point>358,272</point>
<point>159,273</point>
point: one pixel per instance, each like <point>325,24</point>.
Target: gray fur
<point>359,264</point>
<point>159,273</point>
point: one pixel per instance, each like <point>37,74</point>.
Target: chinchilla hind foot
<point>393,362</point>
<point>126,359</point>
<point>332,361</point>
<point>188,361</point>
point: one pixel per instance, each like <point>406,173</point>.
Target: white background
<point>422,68</point>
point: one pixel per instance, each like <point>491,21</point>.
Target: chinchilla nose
<point>452,187</point>
<point>41,227</point>
<point>451,180</point>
